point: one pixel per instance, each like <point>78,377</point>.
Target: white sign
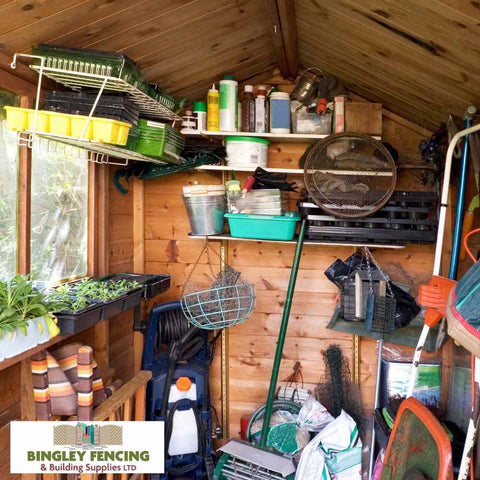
<point>87,447</point>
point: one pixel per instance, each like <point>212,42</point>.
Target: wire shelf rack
<point>95,152</point>
<point>77,80</point>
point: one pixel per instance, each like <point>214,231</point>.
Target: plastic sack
<point>334,452</point>
<point>288,438</point>
<point>278,417</point>
<point>264,179</point>
<point>313,416</point>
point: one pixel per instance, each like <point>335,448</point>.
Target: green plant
<point>20,301</point>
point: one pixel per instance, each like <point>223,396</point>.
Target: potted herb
<point>26,318</point>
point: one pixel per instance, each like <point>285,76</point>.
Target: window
<point>8,193</point>
<point>59,212</point>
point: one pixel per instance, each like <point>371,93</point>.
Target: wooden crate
<point>363,118</point>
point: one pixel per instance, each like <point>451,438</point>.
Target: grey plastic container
<point>205,213</point>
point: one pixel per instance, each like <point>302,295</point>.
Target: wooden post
<point>24,202</point>
<point>138,258</point>
<point>100,267</point>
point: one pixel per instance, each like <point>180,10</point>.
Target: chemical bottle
<point>213,123</point>
<point>200,114</point>
<point>248,110</point>
<point>228,104</point>
<point>239,116</point>
<point>260,118</point>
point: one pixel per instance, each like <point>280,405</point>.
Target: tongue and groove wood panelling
<point>252,344</point>
<point>183,45</point>
<point>420,59</point>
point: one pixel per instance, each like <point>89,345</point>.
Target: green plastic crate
<point>263,227</point>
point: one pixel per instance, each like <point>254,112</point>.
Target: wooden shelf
<point>8,362</point>
<point>273,137</point>
<point>294,171</point>
<point>407,336</point>
<point>225,168</point>
<point>228,237</point>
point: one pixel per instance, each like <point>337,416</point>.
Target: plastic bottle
<point>280,112</point>
<point>200,114</point>
<point>260,117</point>
<point>248,110</point>
<point>228,104</point>
<point>213,122</point>
<point>239,116</point>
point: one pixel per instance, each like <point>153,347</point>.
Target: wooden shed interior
<point>417,59</point>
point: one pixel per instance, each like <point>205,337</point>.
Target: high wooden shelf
<point>228,237</point>
<point>273,137</point>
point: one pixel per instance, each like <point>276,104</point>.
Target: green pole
<point>282,334</point>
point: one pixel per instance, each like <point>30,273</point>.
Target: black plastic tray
<point>153,284</point>
<point>70,323</point>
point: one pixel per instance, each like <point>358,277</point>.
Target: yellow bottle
<point>213,113</point>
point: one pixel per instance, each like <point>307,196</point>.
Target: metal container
<point>205,213</point>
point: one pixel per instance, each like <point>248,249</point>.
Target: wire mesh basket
<point>230,300</point>
<point>220,307</point>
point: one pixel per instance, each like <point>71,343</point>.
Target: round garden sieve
<point>350,175</point>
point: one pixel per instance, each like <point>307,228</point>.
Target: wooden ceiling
<point>419,58</point>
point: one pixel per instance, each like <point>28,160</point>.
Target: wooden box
<point>363,117</point>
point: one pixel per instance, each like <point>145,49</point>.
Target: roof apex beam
<point>283,31</point>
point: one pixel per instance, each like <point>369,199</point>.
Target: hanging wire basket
<point>229,301</point>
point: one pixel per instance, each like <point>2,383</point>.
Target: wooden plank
<point>24,202</point>
<point>102,355</point>
<point>8,362</point>
<point>52,28</point>
<point>138,257</point>
<point>288,21</point>
<point>277,37</point>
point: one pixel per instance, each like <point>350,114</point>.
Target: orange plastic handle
<point>467,226</point>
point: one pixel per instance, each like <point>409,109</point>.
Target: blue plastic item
<point>189,466</point>
<point>462,183</point>
<point>262,227</point>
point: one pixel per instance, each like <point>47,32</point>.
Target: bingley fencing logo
<point>87,447</point>
<point>91,435</point>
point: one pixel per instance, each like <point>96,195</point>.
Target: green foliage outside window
<point>8,193</point>
<point>59,211</point>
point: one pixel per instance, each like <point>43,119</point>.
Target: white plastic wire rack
<point>78,80</point>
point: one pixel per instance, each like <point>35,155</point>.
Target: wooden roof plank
<point>388,71</point>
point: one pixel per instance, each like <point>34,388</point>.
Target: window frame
<point>97,203</point>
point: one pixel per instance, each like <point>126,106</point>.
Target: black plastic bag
<point>264,179</point>
<point>339,273</point>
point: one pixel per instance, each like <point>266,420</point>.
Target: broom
<point>241,460</point>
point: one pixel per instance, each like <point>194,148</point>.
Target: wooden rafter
<point>283,31</point>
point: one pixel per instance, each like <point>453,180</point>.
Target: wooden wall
<point>120,229</point>
<point>252,344</point>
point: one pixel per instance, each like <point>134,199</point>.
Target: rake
<point>242,460</point>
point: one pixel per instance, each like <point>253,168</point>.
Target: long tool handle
<point>375,406</point>
<point>282,334</point>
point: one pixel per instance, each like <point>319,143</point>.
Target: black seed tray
<point>153,284</point>
<point>71,323</point>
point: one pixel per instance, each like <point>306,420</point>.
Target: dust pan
<point>242,460</point>
<point>418,444</point>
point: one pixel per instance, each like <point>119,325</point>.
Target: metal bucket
<point>205,213</point>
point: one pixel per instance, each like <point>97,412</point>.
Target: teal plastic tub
<point>263,227</point>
